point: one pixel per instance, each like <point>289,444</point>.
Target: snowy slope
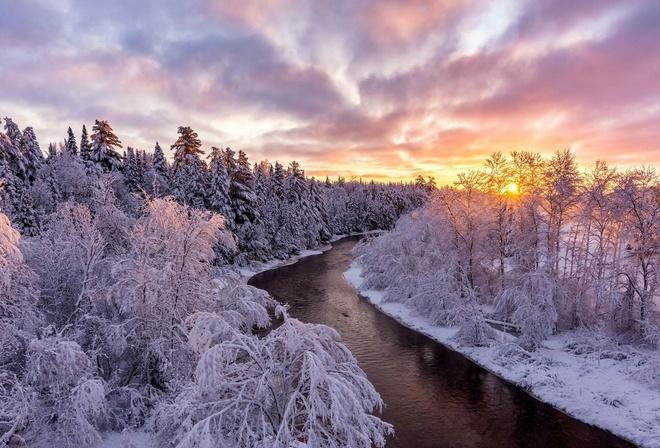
<point>587,383</point>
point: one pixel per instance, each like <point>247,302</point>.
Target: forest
<point>123,308</point>
<point>540,243</point>
<point>120,307</point>
<point>542,272</point>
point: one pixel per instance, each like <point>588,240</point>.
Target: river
<point>433,396</point>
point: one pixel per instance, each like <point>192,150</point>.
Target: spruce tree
<point>104,144</point>
<point>12,131</point>
<point>319,211</point>
<point>85,147</point>
<point>250,234</point>
<point>242,193</point>
<point>31,153</point>
<point>11,150</point>
<point>160,162</point>
<point>133,170</point>
<point>18,166</point>
<point>218,198</point>
<point>189,176</point>
<point>71,146</point>
<point>52,151</point>
<point>277,182</point>
<point>229,159</point>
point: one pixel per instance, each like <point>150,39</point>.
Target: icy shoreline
<point>598,392</point>
<point>247,272</point>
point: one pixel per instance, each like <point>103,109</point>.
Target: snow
<point>249,271</point>
<point>345,235</point>
<point>128,439</point>
<point>601,392</point>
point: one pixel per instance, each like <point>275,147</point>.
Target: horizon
<point>373,90</point>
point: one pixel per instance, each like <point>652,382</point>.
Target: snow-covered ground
<point>579,376</point>
<point>249,271</point>
<point>344,235</point>
<point>128,439</point>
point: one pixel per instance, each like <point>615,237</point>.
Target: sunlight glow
<point>511,188</point>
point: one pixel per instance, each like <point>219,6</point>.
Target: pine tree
<point>229,159</point>
<point>18,166</point>
<point>52,151</point>
<point>244,205</point>
<point>218,199</point>
<point>262,172</point>
<point>85,147</point>
<point>319,211</point>
<point>295,182</point>
<point>277,184</point>
<point>11,149</point>
<point>13,132</point>
<point>9,182</point>
<point>160,162</point>
<point>71,146</point>
<point>187,148</point>
<point>104,144</point>
<point>31,153</point>
<point>242,191</point>
<point>133,170</point>
<point>189,176</point>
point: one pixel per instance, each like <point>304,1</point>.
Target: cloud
<point>385,88</point>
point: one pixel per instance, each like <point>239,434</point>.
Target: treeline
<point>271,211</point>
<point>549,246</point>
<point>114,315</point>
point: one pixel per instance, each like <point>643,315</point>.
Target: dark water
<point>434,397</point>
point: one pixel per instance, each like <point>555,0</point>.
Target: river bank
<point>569,373</point>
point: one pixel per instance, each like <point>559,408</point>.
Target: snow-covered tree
<point>531,306</point>
<point>639,194</point>
<point>297,385</point>
<point>70,143</point>
<point>134,170</point>
<point>69,402</point>
<point>104,147</point>
<point>31,153</point>
<point>189,178</point>
<point>166,278</point>
<point>13,132</point>
<point>85,146</point>
<point>18,297</point>
<point>244,206</point>
<point>68,257</point>
<point>218,197</point>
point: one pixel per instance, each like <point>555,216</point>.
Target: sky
<point>382,89</point>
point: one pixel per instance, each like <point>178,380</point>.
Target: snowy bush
<point>475,332</point>
<point>530,305</point>
<point>69,402</point>
<point>298,384</point>
<point>649,373</point>
<point>416,264</point>
<point>510,353</point>
<point>68,257</point>
<point>249,304</point>
<point>18,296</point>
<point>164,279</point>
<point>15,408</point>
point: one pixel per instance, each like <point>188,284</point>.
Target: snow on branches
<point>297,385</point>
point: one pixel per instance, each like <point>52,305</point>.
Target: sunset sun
<point>511,188</point>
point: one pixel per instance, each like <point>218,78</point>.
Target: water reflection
<point>434,396</point>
